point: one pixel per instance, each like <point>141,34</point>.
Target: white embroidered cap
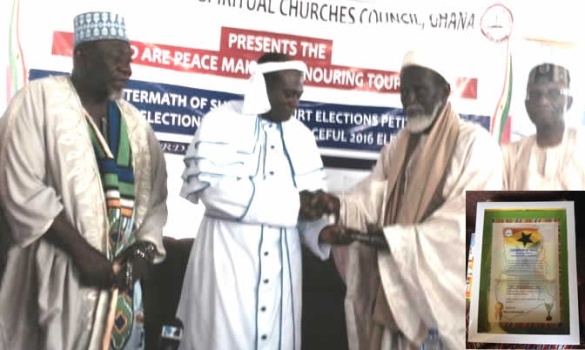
<point>98,25</point>
<point>256,97</point>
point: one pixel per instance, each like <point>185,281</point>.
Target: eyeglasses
<point>550,94</point>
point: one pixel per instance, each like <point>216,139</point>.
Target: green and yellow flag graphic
<point>16,75</point>
<point>522,237</point>
<point>502,112</point>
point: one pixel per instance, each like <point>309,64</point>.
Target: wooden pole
<point>110,320</point>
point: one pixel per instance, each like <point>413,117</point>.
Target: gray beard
<point>418,124</point>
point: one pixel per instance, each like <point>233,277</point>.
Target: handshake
<point>315,205</point>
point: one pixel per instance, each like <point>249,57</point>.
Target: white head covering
<point>256,97</point>
<point>433,59</point>
<point>98,25</point>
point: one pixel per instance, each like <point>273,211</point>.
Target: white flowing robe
<point>529,167</point>
<point>423,274</point>
<point>242,287</point>
<point>48,165</point>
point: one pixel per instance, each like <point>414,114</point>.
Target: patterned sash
<point>114,156</point>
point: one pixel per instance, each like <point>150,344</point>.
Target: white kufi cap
<point>433,59</point>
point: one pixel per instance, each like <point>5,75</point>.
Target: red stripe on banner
<point>232,61</point>
<point>467,87</point>
<point>62,44</point>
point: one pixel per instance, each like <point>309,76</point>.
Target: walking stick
<point>110,319</point>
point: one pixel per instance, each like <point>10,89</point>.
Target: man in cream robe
<point>412,293</point>
<point>48,171</point>
<point>247,164</point>
<point>551,159</point>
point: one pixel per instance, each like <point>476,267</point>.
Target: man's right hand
<point>316,204</point>
<point>95,269</point>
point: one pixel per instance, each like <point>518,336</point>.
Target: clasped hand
<point>340,235</point>
<point>97,271</point>
<point>316,204</point>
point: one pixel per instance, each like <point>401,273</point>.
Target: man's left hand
<point>336,234</point>
<point>132,265</point>
<point>375,230</point>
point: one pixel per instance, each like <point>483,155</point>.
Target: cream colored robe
<point>47,164</point>
<point>423,275</point>
<point>529,167</point>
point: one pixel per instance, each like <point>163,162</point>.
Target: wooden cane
<point>110,319</point>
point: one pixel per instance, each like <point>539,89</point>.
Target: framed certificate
<point>524,287</point>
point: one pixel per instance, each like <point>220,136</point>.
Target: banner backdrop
<point>191,56</point>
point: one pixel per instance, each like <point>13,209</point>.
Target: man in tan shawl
<point>552,159</point>
<point>83,185</point>
<point>412,292</point>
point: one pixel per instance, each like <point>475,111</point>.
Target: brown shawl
<point>420,198</point>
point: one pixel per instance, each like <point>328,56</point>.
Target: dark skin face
<point>546,103</point>
<point>284,89</point>
<point>101,68</point>
<point>422,92</point>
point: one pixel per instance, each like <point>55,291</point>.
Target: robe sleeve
<point>423,275</point>
<point>151,229</point>
<point>356,263</point>
<point>363,203</point>
<point>218,173</point>
<point>30,204</point>
<point>312,177</point>
<point>309,231</point>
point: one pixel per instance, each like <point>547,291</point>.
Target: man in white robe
<point>56,289</point>
<point>411,291</point>
<point>251,165</point>
<point>552,159</point>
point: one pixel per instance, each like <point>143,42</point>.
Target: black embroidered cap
<point>549,72</point>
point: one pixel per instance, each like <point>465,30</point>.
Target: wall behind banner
<point>192,55</point>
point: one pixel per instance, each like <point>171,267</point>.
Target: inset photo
<point>524,281</point>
